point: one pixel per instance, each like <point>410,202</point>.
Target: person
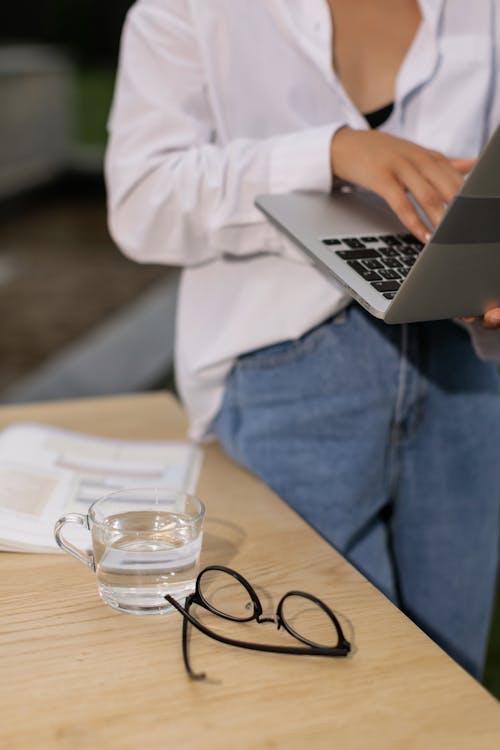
<point>384,438</point>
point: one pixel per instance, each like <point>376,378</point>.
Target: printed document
<point>46,472</point>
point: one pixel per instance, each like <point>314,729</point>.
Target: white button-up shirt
<point>219,100</point>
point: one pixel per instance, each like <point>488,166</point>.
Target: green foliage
<point>94,91</point>
<point>492,673</point>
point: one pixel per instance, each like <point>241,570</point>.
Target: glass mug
<point>145,543</point>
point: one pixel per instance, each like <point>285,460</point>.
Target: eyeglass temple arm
<point>313,650</point>
<point>185,644</point>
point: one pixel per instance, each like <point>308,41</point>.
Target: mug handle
<point>85,557</point>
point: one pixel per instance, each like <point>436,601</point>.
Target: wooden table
<point>76,674</point>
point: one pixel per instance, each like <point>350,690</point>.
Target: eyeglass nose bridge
<point>266,619</point>
<point>342,649</point>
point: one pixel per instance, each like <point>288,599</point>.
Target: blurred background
<point>78,318</point>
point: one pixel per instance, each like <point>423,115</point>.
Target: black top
<point>379,116</point>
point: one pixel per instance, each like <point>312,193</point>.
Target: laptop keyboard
<point>383,261</point>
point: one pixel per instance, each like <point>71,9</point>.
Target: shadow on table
<point>221,541</point>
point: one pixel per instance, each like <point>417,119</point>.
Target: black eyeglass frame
<point>342,648</point>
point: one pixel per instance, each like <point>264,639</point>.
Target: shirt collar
<point>301,16</point>
<point>431,12</point>
<point>423,55</point>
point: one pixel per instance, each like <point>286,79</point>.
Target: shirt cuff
<point>301,160</point>
<point>486,341</point>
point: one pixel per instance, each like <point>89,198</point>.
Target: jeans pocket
<point>291,350</point>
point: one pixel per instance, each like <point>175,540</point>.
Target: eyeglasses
<point>225,593</point>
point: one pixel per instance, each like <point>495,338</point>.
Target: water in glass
<point>142,555</point>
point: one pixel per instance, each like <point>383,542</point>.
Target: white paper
<point>47,472</point>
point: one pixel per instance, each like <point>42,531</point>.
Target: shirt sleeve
<point>486,342</point>
<point>175,195</point>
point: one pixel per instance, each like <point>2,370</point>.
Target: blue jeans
<point>386,439</point>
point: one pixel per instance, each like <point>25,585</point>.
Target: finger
<point>463,166</point>
<point>462,162</point>
<point>441,173</point>
<point>491,318</point>
<point>395,195</point>
<point>424,192</point>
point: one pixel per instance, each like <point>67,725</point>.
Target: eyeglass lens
<point>308,621</point>
<point>227,595</point>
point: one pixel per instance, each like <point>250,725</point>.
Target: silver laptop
<point>355,236</point>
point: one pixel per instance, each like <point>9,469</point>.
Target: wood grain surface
<point>77,675</point>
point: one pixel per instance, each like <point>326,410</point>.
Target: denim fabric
<point>386,439</point>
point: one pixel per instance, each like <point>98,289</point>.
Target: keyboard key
<point>369,239</point>
<point>390,239</point>
<point>388,252</point>
<point>357,254</point>
<point>408,262</point>
<point>356,266</point>
<point>389,295</point>
<point>364,272</point>
<point>410,239</point>
<point>352,242</point>
<point>331,241</point>
<point>392,263</point>
<point>386,286</point>
<point>390,274</point>
<point>408,250</point>
<point>373,264</point>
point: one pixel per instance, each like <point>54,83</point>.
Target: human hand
<point>490,319</point>
<point>393,167</point>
